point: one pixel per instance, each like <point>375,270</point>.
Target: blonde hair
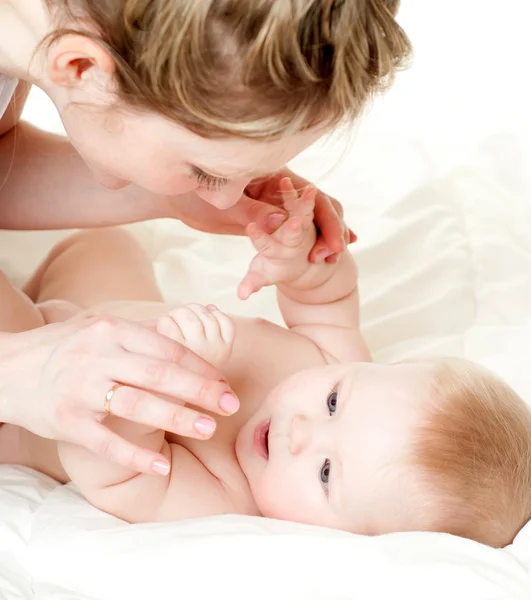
<point>248,68</point>
<point>473,449</point>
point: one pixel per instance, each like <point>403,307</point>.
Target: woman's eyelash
<point>207,181</point>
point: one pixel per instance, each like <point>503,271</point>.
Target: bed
<point>434,182</point>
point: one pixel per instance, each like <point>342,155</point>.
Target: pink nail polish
<point>229,403</point>
<point>160,467</point>
<point>205,426</point>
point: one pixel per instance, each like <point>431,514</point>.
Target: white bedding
<point>438,189</point>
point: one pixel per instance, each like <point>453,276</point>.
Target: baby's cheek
<point>279,497</point>
<point>272,495</point>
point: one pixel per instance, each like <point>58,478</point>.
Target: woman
<point>176,107</point>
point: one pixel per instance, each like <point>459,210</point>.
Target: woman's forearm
<point>44,184</point>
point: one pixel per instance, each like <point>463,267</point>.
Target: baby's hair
<point>248,68</point>
<point>473,449</point>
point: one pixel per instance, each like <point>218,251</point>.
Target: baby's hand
<point>205,330</point>
<point>282,256</point>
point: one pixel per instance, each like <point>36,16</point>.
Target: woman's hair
<point>247,68</point>
<point>473,449</point>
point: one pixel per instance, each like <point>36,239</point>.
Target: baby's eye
<point>331,402</point>
<point>324,474</point>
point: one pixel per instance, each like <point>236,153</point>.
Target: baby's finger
<point>226,324</point>
<point>251,283</point>
<point>263,242</point>
<point>208,319</point>
<point>306,206</point>
<point>290,197</point>
<point>168,327</point>
<point>291,234</point>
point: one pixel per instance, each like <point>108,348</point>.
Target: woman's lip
<point>260,439</point>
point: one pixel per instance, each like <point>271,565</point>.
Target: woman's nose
<point>227,196</point>
<point>300,434</point>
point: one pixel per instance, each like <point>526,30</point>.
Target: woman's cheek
<point>166,184</point>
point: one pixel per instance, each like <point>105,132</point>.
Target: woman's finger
<point>138,339</point>
<point>330,224</point>
<point>137,405</point>
<point>103,442</point>
<point>172,380</point>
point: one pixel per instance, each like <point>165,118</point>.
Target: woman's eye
<point>324,474</point>
<point>331,402</point>
<point>208,182</point>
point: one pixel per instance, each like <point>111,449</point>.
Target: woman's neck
<point>23,25</point>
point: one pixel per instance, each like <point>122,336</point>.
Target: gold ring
<point>108,397</point>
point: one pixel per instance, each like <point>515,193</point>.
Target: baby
<point>323,436</point>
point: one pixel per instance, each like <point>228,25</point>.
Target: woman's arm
<point>46,185</point>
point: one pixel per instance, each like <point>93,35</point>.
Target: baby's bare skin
<point>267,367</point>
<point>252,371</point>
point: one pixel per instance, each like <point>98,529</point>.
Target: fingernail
<point>205,426</point>
<point>229,403</point>
<point>324,254</point>
<point>275,221</point>
<point>160,467</point>
<point>212,307</point>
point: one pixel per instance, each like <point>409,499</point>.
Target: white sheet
<point>437,188</point>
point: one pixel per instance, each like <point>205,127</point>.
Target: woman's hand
<point>333,235</point>
<point>263,204</point>
<point>54,381</point>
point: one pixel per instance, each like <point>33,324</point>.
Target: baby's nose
<point>300,434</point>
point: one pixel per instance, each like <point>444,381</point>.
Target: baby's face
<point>327,446</point>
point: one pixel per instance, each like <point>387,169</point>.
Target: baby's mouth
<point>261,439</point>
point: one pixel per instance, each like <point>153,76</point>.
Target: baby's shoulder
<point>259,341</point>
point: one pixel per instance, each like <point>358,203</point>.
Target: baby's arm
<point>189,490</point>
<point>318,301</point>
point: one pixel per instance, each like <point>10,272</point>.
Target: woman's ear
<point>75,59</point>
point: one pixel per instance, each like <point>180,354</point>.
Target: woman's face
<point>146,149</point>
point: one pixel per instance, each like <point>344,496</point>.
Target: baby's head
<point>433,445</point>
